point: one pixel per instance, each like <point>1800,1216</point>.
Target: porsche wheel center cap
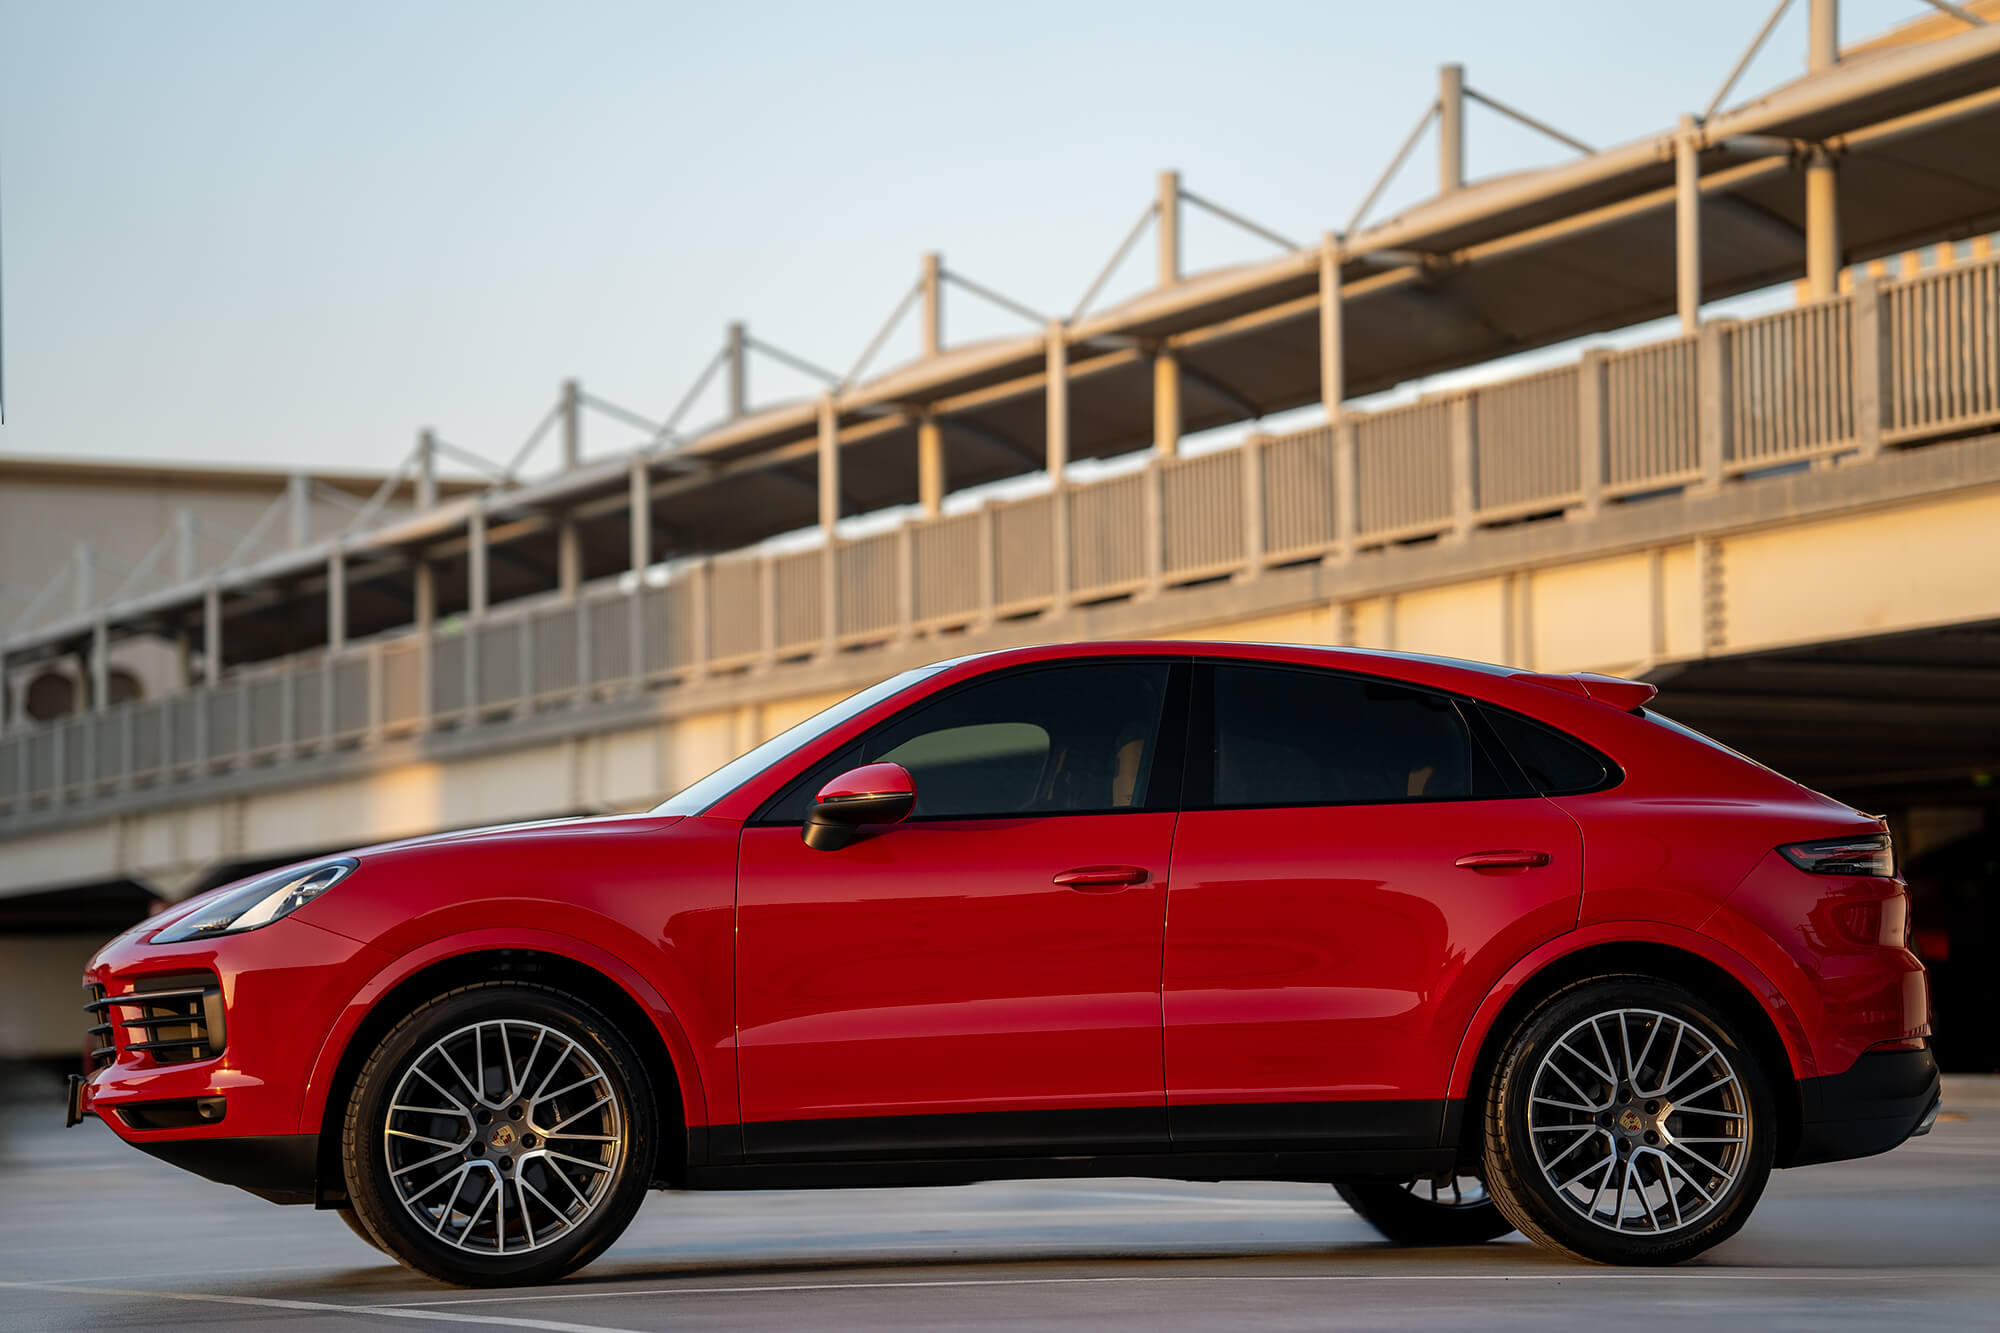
<point>504,1136</point>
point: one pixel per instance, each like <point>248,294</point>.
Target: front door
<point>937,986</point>
<point>1331,931</point>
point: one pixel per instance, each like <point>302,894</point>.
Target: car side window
<point>1074,739</point>
<point>1302,737</point>
<point>1554,764</point>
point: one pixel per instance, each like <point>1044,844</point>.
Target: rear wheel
<point>1629,1122</point>
<point>1443,1210</point>
<point>503,1133</point>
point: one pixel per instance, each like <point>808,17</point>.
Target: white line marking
<point>1581,1275</point>
<point>323,1307</point>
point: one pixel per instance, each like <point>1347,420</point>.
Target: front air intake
<point>173,1019</point>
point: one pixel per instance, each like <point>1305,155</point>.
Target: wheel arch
<point>1538,979</point>
<point>674,1090</point>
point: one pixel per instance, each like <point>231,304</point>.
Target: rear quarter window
<point>1554,764</point>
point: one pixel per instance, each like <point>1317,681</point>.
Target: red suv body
<point>1191,910</point>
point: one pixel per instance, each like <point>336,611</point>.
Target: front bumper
<point>235,1116</point>
<point>1886,1098</point>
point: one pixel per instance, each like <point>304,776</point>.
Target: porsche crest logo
<point>504,1136</point>
<point>1629,1120</point>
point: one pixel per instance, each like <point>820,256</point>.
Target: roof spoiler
<point>1624,695</point>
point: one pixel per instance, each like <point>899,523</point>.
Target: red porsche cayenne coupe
<point>1485,950</point>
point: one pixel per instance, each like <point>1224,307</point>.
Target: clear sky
<point>293,234</point>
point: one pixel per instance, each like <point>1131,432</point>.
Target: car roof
<point>1379,660</point>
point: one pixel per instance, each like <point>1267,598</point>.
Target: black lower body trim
<point>1308,1126</point>
<point>977,1133</point>
<point>278,1167</point>
<point>1316,1141</point>
<point>1870,1109</point>
<point>1315,1167</point>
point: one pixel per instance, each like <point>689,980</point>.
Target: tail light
<point>1870,854</point>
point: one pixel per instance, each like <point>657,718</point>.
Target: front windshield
<point>694,799</point>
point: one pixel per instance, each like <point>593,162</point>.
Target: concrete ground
<point>94,1235</point>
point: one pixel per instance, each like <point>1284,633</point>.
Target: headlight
<point>258,903</point>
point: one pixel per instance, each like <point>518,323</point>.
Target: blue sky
<point>292,234</point>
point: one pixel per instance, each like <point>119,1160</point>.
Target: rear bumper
<point>1887,1097</point>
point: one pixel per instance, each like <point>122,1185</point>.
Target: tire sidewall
<point>1516,1180</point>
<point>366,1166</point>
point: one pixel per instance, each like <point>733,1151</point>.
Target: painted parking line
<point>321,1307</point>
<point>922,1284</point>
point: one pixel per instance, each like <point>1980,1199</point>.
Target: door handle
<point>1515,859</point>
<point>1101,879</point>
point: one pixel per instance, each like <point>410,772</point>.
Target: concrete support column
<point>1593,416</point>
<point>1167,208</point>
<point>829,519</point>
<point>211,635</point>
<point>1253,506</point>
<point>1057,457</point>
<point>1687,224</point>
<point>639,504</point>
<point>1822,36</point>
<point>478,576</point>
<point>572,424</point>
<point>932,285</point>
<point>478,592</point>
<point>427,478</point>
<point>1332,349</point>
<point>930,466</point>
<point>100,665</point>
<point>735,349</point>
<point>1822,226</point>
<point>1166,403</point>
<point>1715,394</point>
<point>1451,128</point>
<point>1869,372</point>
<point>1464,467</point>
<point>336,599</point>
<point>298,505</point>
<point>569,557</point>
<point>1346,489</point>
<point>423,583</point>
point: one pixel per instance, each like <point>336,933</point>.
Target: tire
<point>354,1224</point>
<point>490,1167</point>
<point>1421,1213</point>
<point>1629,1121</point>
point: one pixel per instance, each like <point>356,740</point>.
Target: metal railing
<point>1894,363</point>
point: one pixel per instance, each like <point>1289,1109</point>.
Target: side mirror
<point>871,794</point>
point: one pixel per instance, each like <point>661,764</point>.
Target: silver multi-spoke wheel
<point>503,1137</point>
<point>1449,1191</point>
<point>1639,1122</point>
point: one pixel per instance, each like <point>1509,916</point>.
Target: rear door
<point>937,986</point>
<point>1351,876</point>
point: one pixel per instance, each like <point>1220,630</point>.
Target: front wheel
<point>503,1133</point>
<point>1629,1122</point>
<point>1447,1210</point>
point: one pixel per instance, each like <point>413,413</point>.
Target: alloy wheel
<point>503,1137</point>
<point>1639,1122</point>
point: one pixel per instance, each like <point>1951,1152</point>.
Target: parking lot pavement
<point>94,1235</point>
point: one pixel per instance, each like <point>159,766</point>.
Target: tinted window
<point>1314,738</point>
<point>1061,740</point>
<point>1552,761</point>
